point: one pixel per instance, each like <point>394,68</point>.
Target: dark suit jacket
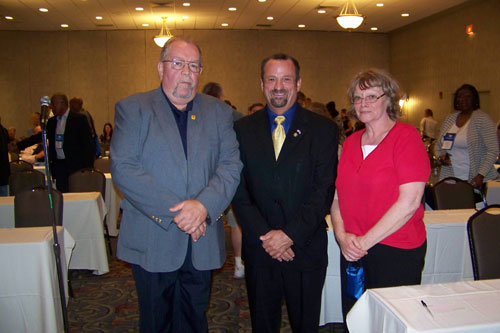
<point>78,145</point>
<point>293,193</point>
<point>4,156</point>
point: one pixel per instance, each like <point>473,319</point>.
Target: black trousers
<point>267,286</point>
<point>61,175</point>
<point>386,266</point>
<point>173,301</point>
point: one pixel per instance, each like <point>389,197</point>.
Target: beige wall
<point>105,66</point>
<point>436,55</point>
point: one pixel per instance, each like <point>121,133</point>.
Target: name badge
<point>59,141</point>
<point>448,140</point>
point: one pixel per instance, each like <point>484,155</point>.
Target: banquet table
<point>447,258</point>
<point>83,215</point>
<point>113,199</point>
<point>29,290</point>
<point>467,306</point>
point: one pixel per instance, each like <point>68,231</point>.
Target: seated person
<point>33,154</point>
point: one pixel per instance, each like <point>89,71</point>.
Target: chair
<point>103,165</point>
<point>25,180</point>
<point>32,208</point>
<point>90,180</point>
<point>19,165</point>
<point>453,193</point>
<point>483,229</point>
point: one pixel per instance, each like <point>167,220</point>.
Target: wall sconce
<point>164,35</point>
<point>403,100</point>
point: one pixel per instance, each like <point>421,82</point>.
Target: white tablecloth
<point>113,199</point>
<point>83,215</point>
<point>447,258</point>
<point>29,290</point>
<point>468,306</point>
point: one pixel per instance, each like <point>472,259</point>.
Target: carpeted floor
<point>108,303</point>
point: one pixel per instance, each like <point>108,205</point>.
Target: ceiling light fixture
<point>225,24</point>
<point>139,9</point>
<point>349,18</point>
<point>380,5</point>
<point>9,18</point>
<point>98,17</point>
<point>262,0</point>
<point>321,11</point>
<point>373,28</point>
<point>270,18</point>
<point>145,24</point>
<point>232,9</point>
<point>43,10</point>
<point>301,25</point>
<point>185,17</point>
<point>64,25</point>
<point>164,35</point>
<point>186,4</point>
<point>405,14</point>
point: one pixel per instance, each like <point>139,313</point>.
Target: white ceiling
<point>210,14</point>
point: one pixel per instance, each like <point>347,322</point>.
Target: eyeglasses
<point>178,64</point>
<point>370,99</point>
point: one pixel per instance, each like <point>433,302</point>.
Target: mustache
<point>279,91</point>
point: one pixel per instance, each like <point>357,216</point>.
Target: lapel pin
<point>298,132</point>
<point>193,117</point>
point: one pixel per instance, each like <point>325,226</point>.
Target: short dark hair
<point>475,96</point>
<point>61,96</point>
<point>284,57</point>
<point>213,89</point>
<point>429,112</point>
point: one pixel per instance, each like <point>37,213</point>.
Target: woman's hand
<point>445,159</point>
<point>350,246</point>
<point>477,181</point>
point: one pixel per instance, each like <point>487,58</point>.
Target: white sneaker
<point>239,272</point>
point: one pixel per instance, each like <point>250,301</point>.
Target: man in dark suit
<point>70,142</point>
<point>4,161</point>
<point>281,202</point>
<point>175,158</point>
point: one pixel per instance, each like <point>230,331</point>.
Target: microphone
<point>44,112</point>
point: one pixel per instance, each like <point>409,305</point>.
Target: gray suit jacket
<point>149,167</point>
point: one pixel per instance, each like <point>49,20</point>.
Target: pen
<point>426,307</point>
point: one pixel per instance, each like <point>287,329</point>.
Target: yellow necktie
<point>278,135</point>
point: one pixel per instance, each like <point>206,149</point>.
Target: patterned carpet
<point>108,303</point>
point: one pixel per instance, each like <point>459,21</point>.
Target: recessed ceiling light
<point>301,25</point>
<point>64,25</point>
<point>145,24</point>
<point>380,5</point>
<point>270,18</point>
<point>225,24</point>
<point>321,11</point>
<point>139,9</point>
<point>43,10</point>
<point>98,17</point>
<point>405,14</point>
<point>232,9</point>
<point>186,4</point>
<point>262,0</point>
<point>185,17</point>
<point>373,28</point>
<point>9,18</point>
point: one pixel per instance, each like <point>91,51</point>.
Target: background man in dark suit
<point>70,142</point>
<point>282,200</point>
<point>4,161</point>
<point>175,158</point>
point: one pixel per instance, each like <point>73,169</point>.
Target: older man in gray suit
<point>175,158</point>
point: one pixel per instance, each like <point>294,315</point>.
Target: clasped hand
<point>277,244</point>
<point>191,218</point>
<point>351,246</point>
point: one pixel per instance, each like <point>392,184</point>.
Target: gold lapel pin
<point>295,134</point>
<point>193,117</point>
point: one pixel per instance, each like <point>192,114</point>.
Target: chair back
<point>103,165</point>
<point>87,180</point>
<point>453,193</point>
<point>25,180</point>
<point>32,208</point>
<point>19,165</point>
<point>483,229</point>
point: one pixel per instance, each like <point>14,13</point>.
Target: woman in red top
<point>377,211</point>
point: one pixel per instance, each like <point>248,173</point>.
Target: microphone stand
<point>56,246</point>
